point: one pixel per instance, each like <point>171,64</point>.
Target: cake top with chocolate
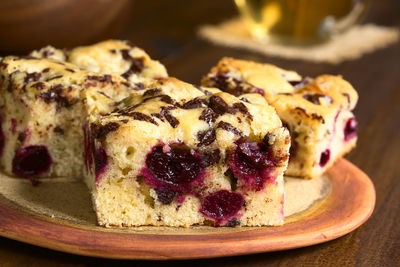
<point>109,57</point>
<point>176,110</point>
<point>321,95</point>
<point>54,81</point>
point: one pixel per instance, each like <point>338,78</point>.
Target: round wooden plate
<point>349,204</point>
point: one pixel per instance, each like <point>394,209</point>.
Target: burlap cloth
<point>358,40</point>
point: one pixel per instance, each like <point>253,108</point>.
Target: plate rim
<point>66,237</point>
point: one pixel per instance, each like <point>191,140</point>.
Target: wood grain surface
<point>349,204</point>
<point>167,30</point>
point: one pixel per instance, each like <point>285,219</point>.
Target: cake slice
<point>316,111</point>
<point>176,156</point>
<point>41,131</point>
<point>109,57</point>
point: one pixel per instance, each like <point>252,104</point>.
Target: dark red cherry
<point>31,161</point>
<point>253,163</point>
<point>325,156</point>
<point>177,168</point>
<point>350,130</point>
<point>222,206</point>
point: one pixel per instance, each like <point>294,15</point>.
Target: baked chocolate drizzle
<point>137,64</point>
<point>206,137</point>
<point>99,131</point>
<point>229,127</point>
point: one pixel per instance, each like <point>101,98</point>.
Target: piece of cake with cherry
<point>177,155</point>
<point>318,112</point>
<point>41,131</point>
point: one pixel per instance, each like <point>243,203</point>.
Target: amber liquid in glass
<point>295,19</point>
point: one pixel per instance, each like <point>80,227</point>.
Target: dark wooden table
<point>167,30</point>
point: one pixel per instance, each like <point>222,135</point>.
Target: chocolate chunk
<point>288,94</point>
<point>46,70</point>
<point>219,106</point>
<point>171,119</point>
<point>242,109</point>
<point>141,117</point>
<point>298,84</point>
<point>127,74</point>
<point>301,110</point>
<point>219,80</point>
<point>158,116</point>
<point>206,92</point>
<point>3,65</point>
<point>102,130</point>
<point>233,222</point>
<point>266,139</point>
<point>167,99</point>
<point>152,92</point>
<point>104,94</point>
<point>39,86</point>
<point>206,137</point>
<point>89,84</point>
<point>136,63</point>
<point>58,130</point>
<point>316,116</point>
<point>10,83</point>
<point>314,98</point>
<point>165,195</point>
<point>347,97</point>
<point>54,77</point>
<point>55,93</point>
<point>244,99</point>
<point>208,115</point>
<point>211,158</point>
<point>32,77</point>
<point>233,180</point>
<point>70,70</point>
<point>229,127</point>
<point>138,86</point>
<point>113,51</point>
<point>47,53</point>
<point>125,54</point>
<point>195,103</point>
<point>104,78</point>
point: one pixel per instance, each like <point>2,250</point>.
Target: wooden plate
<point>349,204</point>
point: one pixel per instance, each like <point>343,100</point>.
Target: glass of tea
<point>300,21</point>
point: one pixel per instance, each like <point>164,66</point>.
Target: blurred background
<point>167,30</point>
<point>30,24</point>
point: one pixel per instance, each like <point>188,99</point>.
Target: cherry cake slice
<point>41,114</point>
<point>179,155</point>
<point>317,112</point>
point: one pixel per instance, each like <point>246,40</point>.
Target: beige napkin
<point>358,40</point>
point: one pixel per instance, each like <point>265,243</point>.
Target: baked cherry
<point>253,164</point>
<point>222,206</point>
<point>171,169</point>
<point>100,160</point>
<point>31,161</point>
<point>350,130</point>
<point>325,156</point>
